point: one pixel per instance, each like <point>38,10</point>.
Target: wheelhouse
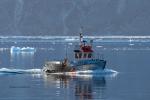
<point>83,51</point>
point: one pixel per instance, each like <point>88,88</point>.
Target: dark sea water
<point>125,77</point>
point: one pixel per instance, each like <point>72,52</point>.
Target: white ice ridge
<point>98,36</point>
<point>20,71</point>
<point>72,37</point>
<point>17,39</point>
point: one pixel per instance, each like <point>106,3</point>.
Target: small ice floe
<point>23,49</point>
<point>70,40</point>
<point>99,46</point>
<point>131,44</point>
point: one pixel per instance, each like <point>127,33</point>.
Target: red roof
<point>87,49</point>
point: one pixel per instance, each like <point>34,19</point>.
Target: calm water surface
<point>21,79</point>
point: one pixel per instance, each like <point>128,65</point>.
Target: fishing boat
<point>84,59</point>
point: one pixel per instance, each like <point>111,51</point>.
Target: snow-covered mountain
<point>65,17</point>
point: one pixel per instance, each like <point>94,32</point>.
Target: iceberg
<point>23,49</point>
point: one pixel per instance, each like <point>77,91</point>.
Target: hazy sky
<point>65,17</point>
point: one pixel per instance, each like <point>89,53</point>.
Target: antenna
<point>81,34</point>
<point>66,55</point>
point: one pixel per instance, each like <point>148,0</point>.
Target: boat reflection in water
<point>77,88</point>
<point>86,89</point>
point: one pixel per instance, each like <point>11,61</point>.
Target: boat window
<point>80,55</point>
<point>85,55</point>
<point>89,55</point>
<point>76,55</point>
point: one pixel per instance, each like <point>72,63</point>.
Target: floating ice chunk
<point>99,46</point>
<point>131,44</point>
<point>23,49</point>
<point>70,39</point>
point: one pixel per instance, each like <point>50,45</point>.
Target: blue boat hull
<point>89,64</point>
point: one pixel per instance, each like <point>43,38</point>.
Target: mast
<point>81,38</point>
<point>66,53</point>
<point>81,35</point>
